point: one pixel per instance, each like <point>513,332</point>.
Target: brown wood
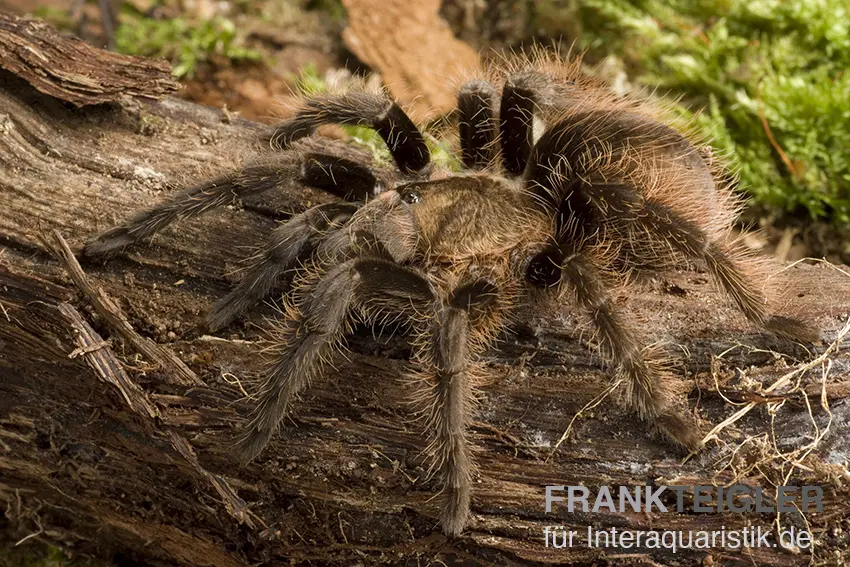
<point>343,484</point>
<point>413,49</point>
<point>70,69</point>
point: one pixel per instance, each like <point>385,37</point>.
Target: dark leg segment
<point>342,177</point>
<point>290,244</point>
<point>336,175</point>
<point>477,123</point>
<point>314,328</point>
<point>378,112</point>
<point>516,115</point>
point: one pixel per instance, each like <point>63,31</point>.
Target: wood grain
<point>343,484</point>
<point>72,70</point>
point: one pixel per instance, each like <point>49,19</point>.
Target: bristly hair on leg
<point>291,244</point>
<point>566,193</point>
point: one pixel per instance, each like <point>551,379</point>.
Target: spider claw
<point>108,243</point>
<point>792,329</point>
<point>680,430</point>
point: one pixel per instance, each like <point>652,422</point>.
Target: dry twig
<point>116,320</point>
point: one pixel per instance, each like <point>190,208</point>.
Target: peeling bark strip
<point>70,69</point>
<point>101,358</point>
<point>343,482</point>
<point>236,507</point>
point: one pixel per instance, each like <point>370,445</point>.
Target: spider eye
<point>410,195</point>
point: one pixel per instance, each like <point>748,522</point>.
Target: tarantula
<point>607,188</point>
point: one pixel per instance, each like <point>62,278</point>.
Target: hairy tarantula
<point>606,189</point>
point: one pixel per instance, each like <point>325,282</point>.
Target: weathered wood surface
<point>343,484</point>
<point>413,49</point>
<point>71,69</point>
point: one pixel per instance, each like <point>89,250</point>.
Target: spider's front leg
<point>290,244</point>
<point>479,128</point>
<point>314,327</point>
<point>362,108</point>
<point>446,354</point>
<point>339,176</point>
<point>477,124</point>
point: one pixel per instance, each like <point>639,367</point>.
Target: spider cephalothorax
<point>607,188</point>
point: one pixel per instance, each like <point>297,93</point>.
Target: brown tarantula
<point>606,189</point>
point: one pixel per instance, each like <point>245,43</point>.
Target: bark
<point>70,69</point>
<point>108,448</point>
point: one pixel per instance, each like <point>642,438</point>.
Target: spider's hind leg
<point>645,391</point>
<point>619,180</point>
<point>725,262</point>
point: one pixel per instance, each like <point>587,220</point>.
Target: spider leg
<point>649,220</point>
<point>645,391</point>
<point>516,120</point>
<point>723,263</point>
<point>376,111</point>
<point>314,328</point>
<point>477,123</point>
<point>336,175</point>
<point>446,369</point>
<point>290,244</point>
<point>563,172</point>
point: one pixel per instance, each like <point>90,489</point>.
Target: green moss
<point>757,69</point>
<point>308,81</point>
<point>185,43</point>
<point>332,8</point>
<point>36,554</point>
<point>57,17</point>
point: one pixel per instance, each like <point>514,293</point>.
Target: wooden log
<point>148,474</point>
<point>70,69</point>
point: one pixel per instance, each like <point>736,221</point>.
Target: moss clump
<point>57,17</point>
<point>187,44</point>
<point>770,75</point>
<point>36,554</point>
